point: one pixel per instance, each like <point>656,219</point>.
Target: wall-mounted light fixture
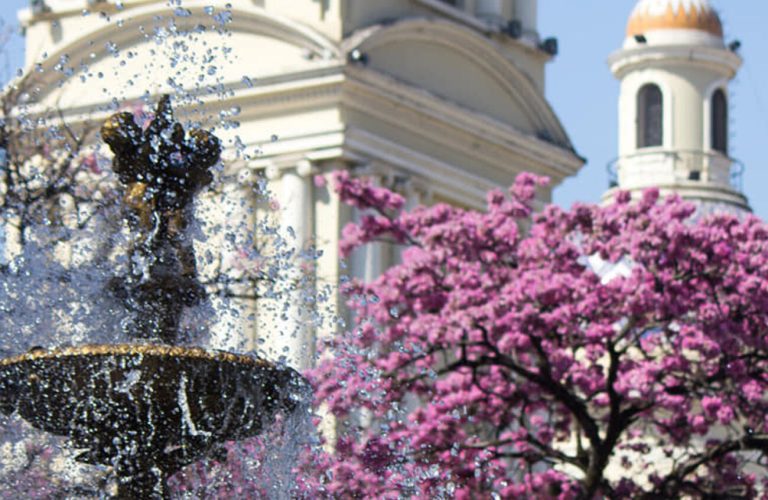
<point>356,56</point>
<point>550,46</point>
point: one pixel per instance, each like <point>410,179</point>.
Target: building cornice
<point>723,60</point>
<point>376,94</point>
<point>445,180</point>
<point>288,92</point>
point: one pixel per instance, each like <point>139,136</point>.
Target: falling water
<point>55,270</point>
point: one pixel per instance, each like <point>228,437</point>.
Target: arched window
<point>650,117</point>
<point>719,122</point>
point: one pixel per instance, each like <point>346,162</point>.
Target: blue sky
<point>584,93</point>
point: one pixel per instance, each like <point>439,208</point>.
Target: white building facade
<point>441,100</point>
<point>675,68</point>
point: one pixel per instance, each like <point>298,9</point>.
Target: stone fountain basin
<point>140,406</point>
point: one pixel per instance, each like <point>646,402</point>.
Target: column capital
<point>273,171</point>
<point>303,168</point>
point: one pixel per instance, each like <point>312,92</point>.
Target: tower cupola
<point>674,68</point>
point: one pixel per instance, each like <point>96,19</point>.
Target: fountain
<point>149,408</point>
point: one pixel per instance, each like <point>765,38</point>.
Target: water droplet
<point>223,17</point>
<point>112,48</point>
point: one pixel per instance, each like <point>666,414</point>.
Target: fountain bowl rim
<point>154,350</point>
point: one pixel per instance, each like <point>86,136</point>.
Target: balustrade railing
<point>694,166</point>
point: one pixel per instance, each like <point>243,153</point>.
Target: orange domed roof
<point>674,15</point>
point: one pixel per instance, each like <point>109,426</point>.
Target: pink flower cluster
<point>496,361</point>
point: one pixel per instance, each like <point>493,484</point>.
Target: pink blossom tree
<point>496,361</point>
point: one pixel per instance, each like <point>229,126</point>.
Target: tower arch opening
<point>650,116</point>
<point>719,122</point>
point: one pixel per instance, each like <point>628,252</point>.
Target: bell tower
<point>674,69</point>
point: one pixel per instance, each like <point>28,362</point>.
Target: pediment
<point>462,67</point>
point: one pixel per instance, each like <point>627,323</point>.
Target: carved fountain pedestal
<point>148,409</point>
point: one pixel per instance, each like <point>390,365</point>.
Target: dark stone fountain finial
<point>162,169</point>
<point>170,166</point>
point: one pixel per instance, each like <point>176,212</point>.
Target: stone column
<point>292,338</point>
